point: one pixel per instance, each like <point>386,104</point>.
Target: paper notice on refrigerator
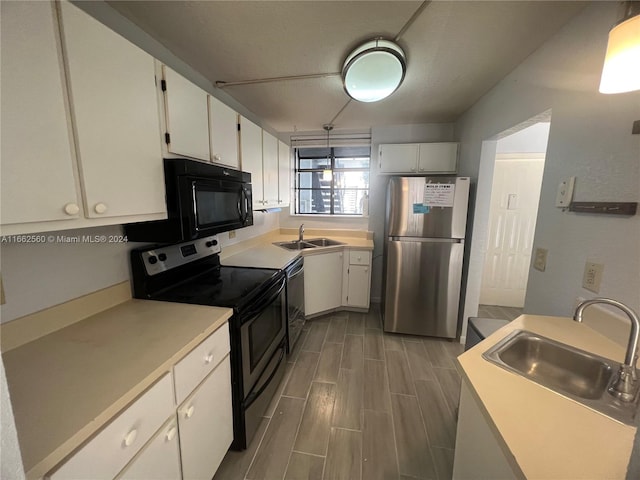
<point>439,194</point>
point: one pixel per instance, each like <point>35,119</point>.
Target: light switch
<point>540,259</point>
<point>565,192</point>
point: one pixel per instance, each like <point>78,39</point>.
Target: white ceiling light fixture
<point>374,70</point>
<point>621,71</point>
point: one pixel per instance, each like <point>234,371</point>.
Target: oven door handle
<point>253,396</point>
<point>264,302</point>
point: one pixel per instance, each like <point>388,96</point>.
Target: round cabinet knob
<point>413,169</point>
<point>100,208</point>
<point>366,270</point>
<point>189,412</point>
<point>422,169</point>
<point>162,257</point>
<point>359,258</point>
<point>208,359</point>
<point>217,157</point>
<point>71,209</point>
<point>171,434</point>
<point>130,437</point>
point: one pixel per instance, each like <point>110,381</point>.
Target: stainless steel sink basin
<point>574,373</point>
<point>323,242</point>
<point>294,245</point>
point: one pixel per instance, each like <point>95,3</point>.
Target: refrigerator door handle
<point>425,239</point>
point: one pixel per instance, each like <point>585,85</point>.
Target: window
<point>331,180</point>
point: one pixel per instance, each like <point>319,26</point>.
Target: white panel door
<point>187,116</point>
<point>398,157</point>
<point>223,133</point>
<point>112,88</point>
<point>512,222</point>
<point>438,158</point>
<point>251,157</point>
<point>322,282</point>
<point>270,169</point>
<point>206,425</point>
<point>159,459</point>
<point>284,174</point>
<point>37,167</point>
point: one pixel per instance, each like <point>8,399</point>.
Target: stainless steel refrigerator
<point>424,244</point>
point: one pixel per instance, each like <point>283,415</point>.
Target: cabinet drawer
<point>193,368</point>
<point>110,450</point>
<point>159,459</point>
<point>359,257</point>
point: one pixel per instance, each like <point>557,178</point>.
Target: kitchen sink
<point>574,373</point>
<point>323,242</point>
<point>294,245</point>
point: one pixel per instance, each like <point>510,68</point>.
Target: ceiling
<point>456,51</point>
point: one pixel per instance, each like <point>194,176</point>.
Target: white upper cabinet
<point>112,93</point>
<point>418,158</point>
<point>284,174</point>
<point>251,157</point>
<point>186,116</point>
<point>270,169</point>
<point>223,133</point>
<point>438,158</point>
<point>38,181</point>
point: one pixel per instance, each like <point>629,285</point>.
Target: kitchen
<point>589,138</point>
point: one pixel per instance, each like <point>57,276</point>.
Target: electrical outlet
<point>540,259</point>
<point>592,276</point>
<point>232,234</point>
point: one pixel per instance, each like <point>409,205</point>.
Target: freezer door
<point>410,212</point>
<point>423,287</point>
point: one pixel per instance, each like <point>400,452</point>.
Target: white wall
<point>378,183</point>
<point>590,137</point>
<point>532,139</point>
<point>10,458</point>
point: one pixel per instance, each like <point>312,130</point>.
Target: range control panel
<point>162,259</point>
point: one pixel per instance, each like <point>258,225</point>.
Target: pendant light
<point>327,173</point>
<point>621,71</point>
<point>374,70</point>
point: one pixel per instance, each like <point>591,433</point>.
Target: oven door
<point>262,331</point>
<point>295,301</point>
<point>210,206</point>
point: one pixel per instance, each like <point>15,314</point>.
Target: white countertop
<point>548,435</point>
<point>66,385</point>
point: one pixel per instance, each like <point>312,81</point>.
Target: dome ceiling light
<point>374,70</point>
<point>621,71</point>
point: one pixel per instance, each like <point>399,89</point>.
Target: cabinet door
<point>187,116</point>
<point>270,169</point>
<point>251,157</point>
<point>322,282</point>
<point>223,133</point>
<point>359,280</point>
<point>37,167</point>
<point>284,174</point>
<point>159,459</point>
<point>206,425</point>
<point>112,90</point>
<point>398,157</point>
<point>438,158</point>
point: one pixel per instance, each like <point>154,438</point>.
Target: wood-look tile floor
<point>357,403</point>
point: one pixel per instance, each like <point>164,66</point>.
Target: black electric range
<point>191,273</point>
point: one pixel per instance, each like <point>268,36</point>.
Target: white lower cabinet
<point>322,282</point>
<point>159,459</point>
<point>206,425</point>
<point>114,446</point>
<point>356,279</point>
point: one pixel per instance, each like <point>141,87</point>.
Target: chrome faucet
<point>625,386</point>
<point>301,232</point>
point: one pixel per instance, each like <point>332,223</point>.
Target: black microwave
<point>202,199</point>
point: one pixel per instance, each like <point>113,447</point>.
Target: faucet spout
<point>626,385</point>
<point>301,232</point>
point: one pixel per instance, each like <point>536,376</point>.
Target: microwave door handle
<point>239,207</point>
<point>246,205</point>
